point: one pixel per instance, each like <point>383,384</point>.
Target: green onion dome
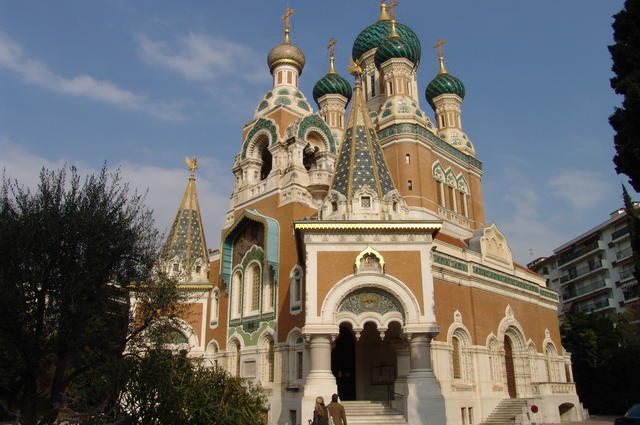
<point>332,83</point>
<point>376,34</point>
<point>444,83</point>
<point>396,47</point>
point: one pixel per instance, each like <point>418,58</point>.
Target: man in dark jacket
<point>336,410</point>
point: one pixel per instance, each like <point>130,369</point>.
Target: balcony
<point>631,291</point>
<point>454,217</point>
<point>580,290</point>
<point>571,257</point>
<point>582,271</point>
<point>619,233</point>
<point>594,305</point>
<point>626,273</point>
<point>549,388</point>
<point>625,253</point>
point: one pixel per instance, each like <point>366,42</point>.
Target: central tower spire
<point>362,187</point>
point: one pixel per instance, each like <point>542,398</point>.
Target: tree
<point>74,251</point>
<point>625,54</point>
<point>604,351</point>
<point>162,387</point>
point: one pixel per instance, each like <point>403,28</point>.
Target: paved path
<point>593,420</point>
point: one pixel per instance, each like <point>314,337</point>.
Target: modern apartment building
<point>594,271</point>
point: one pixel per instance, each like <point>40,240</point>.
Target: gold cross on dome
<point>332,42</point>
<point>438,45</point>
<point>286,18</point>
<point>391,8</point>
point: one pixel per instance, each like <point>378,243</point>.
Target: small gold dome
<point>286,53</point>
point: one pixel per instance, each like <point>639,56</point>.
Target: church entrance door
<point>343,366</point>
<point>508,367</point>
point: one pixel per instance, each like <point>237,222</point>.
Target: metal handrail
<point>392,395</point>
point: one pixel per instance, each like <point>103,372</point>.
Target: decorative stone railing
<point>549,388</point>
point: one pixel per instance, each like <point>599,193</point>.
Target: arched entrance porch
<point>365,363</point>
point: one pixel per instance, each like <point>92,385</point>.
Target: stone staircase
<point>506,411</point>
<point>363,412</point>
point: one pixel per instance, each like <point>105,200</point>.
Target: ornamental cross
<point>332,42</point>
<point>286,18</point>
<point>438,45</point>
<point>391,8</point>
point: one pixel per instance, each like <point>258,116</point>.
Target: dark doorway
<point>508,367</point>
<point>343,364</point>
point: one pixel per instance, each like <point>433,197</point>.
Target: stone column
<point>403,362</point>
<point>425,403</point>
<point>320,381</point>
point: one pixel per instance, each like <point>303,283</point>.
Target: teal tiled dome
<point>374,35</point>
<point>332,83</point>
<point>396,47</point>
<point>444,83</point>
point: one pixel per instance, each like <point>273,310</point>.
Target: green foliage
<point>625,54</point>
<point>165,388</point>
<point>604,350</point>
<point>72,251</point>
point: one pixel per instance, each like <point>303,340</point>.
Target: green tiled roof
<point>332,83</point>
<point>185,241</point>
<point>361,161</point>
<point>444,83</point>
<point>396,47</point>
<point>374,35</point>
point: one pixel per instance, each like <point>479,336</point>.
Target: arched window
<point>215,307</point>
<point>550,353</point>
<point>532,363</point>
<point>309,159</point>
<point>461,365</point>
<point>236,295</point>
<point>295,289</point>
<point>252,289</point>
<point>456,357</point>
<point>267,295</point>
<point>237,359</point>
<point>265,168</point>
<point>270,361</point>
<point>494,361</point>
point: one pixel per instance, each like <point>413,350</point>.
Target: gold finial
<point>392,10</point>
<point>356,70</point>
<point>438,45</point>
<point>192,163</point>
<point>332,42</point>
<point>286,18</point>
<point>384,16</point>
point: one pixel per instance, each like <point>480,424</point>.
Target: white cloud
<point>36,72</point>
<point>200,57</point>
<point>164,187</point>
<point>581,189</point>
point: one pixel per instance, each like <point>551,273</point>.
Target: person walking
<point>336,411</point>
<point>320,413</point>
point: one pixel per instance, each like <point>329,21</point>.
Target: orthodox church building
<point>355,257</point>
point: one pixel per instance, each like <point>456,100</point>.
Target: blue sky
<point>140,84</point>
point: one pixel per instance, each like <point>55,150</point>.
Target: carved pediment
<point>492,244</point>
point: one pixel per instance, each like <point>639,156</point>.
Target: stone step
<point>369,412</point>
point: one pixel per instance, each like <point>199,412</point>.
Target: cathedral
<point>355,257</point>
